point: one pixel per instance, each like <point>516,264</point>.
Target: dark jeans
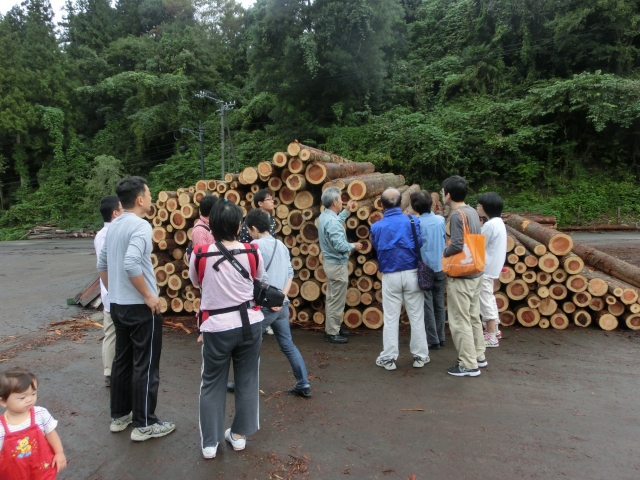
<point>434,311</point>
<point>218,349</point>
<point>279,322</point>
<point>135,373</point>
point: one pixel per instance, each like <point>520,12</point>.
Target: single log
<point>517,289</point>
<point>212,185</point>
<point>362,231</point>
<point>370,267</point>
<point>310,154</point>
<point>161,276</point>
<point>303,200</point>
<point>497,285</point>
<point>372,316</point>
<point>367,298</point>
<point>557,291</point>
<point>616,309</point>
<point>294,289</point>
<point>175,266</point>
<point>547,306</point>
<point>175,282</point>
<point>531,261</point>
<point>610,299</point>
<point>375,186</point>
<point>222,187</point>
<point>352,318</point>
<point>519,249</point>
<point>559,321</point>
<point>507,318</point>
<point>310,290</point>
<point>201,185</point>
<point>365,283</point>
<point>231,177</point>
<point>508,276</point>
<point>280,159</point>
<point>529,276</point>
<point>405,199</point>
<point>287,196</point>
<point>163,213</point>
<point>176,305</point>
<point>597,304</point>
<point>531,244</point>
<point>632,321</point>
<point>295,219</point>
<point>527,317</point>
<point>314,249</point>
<point>159,259</point>
<point>296,182</point>
<point>190,210</point>
<point>177,220</point>
<point>153,209</point>
<point>378,296</point>
<point>297,263</point>
<point>520,268</point>
<point>295,165</point>
<point>163,196</point>
<point>312,262</point>
<point>317,173</point>
<point>233,196</point>
<point>543,278</point>
<point>569,307</point>
<point>502,301</point>
<point>559,276</point>
<point>282,211</point>
<point>512,258</point>
<point>164,304</point>
<point>581,318</point>
<point>319,273</point>
<point>318,317</point>
<point>533,300</point>
<point>275,184</point>
<point>544,322</point>
<point>581,299</point>
<point>606,321</point>
<point>159,233</point>
<point>511,243</point>
<point>558,243</point>
<point>635,308</point>
<point>577,283</point>
<point>608,264</point>
<point>543,291</point>
<point>572,264</point>
<point>309,232</point>
<point>157,222</point>
<point>374,217</point>
<point>185,198</point>
<point>548,263</point>
<point>304,274</point>
<point>168,244</point>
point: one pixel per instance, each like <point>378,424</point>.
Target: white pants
<point>396,288</point>
<point>488,306</point>
<point>108,344</point>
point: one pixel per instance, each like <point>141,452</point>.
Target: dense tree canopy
<point>537,99</point>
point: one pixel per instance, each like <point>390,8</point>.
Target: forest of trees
<point>537,99</point>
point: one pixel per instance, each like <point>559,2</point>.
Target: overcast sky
<point>58,6</point>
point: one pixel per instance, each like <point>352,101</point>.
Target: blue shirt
<point>393,240</point>
<point>432,231</point>
<point>333,238</point>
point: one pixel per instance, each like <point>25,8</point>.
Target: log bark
<point>359,189</point>
<point>531,244</point>
<point>608,264</point>
<point>558,243</point>
<point>317,173</point>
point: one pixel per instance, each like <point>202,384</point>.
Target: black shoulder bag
<point>425,272</point>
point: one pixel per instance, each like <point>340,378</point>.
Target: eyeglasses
<point>268,199</point>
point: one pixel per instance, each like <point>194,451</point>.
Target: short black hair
<point>130,188</point>
<point>224,220</point>
<point>206,204</point>
<point>259,219</point>
<point>259,196</point>
<point>421,201</point>
<point>108,205</point>
<point>457,187</point>
<point>16,380</point>
<point>491,203</point>
<point>390,201</point>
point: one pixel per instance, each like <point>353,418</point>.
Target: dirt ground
<point>551,404</point>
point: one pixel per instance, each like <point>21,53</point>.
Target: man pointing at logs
<point>335,249</point>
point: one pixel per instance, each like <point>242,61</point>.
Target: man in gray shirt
<point>127,273</point>
<point>463,293</point>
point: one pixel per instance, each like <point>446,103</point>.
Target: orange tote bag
<point>470,261</point>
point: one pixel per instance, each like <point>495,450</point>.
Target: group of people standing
<point>400,242</point>
<point>230,253</point>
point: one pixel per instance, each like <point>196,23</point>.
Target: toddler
<point>30,448</point>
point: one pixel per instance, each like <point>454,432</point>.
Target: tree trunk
<point>352,318</point>
<point>317,173</point>
<point>557,242</point>
<point>372,316</point>
<point>359,189</point>
<point>608,264</point>
<point>527,317</point>
<point>531,244</point>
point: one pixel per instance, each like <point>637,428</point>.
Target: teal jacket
<point>332,237</point>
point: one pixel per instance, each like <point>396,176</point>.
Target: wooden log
<point>164,304</point>
<point>558,291</point>
<point>616,309</point>
<point>317,173</point>
<point>543,291</point>
<point>502,301</point>
<point>520,268</point>
<point>512,258</point>
<point>274,184</point>
<point>312,263</point>
<point>372,316</point>
<point>296,182</point>
<point>547,306</point>
<point>163,214</point>
<point>531,261</point>
<point>159,233</point>
<point>581,318</point>
<point>287,196</point>
<point>374,186</point>
<point>319,273</point>
<point>558,243</point>
<point>610,299</point>
<point>362,231</point>
<point>212,185</point>
<point>161,276</point>
<point>581,299</point>
<point>544,322</point>
<point>304,274</point>
<point>305,314</point>
<point>309,154</point>
<point>632,321</point>
<point>295,219</point>
<point>365,283</point>
<point>231,177</point>
<point>529,276</point>
<point>519,249</point>
<point>548,263</point>
<point>176,304</point>
<point>577,283</point>
<point>370,267</point>
<point>156,221</point>
<point>168,244</point>
<point>527,317</point>
<point>310,290</point>
<point>282,211</point>
<point>572,264</point>
<point>543,278</point>
<point>608,264</point>
<point>164,195</point>
<point>511,243</point>
<point>559,320</point>
<point>297,263</point>
<point>159,259</point>
<point>560,276</point>
<point>280,159</point>
<point>533,300</point>
<point>190,210</point>
<point>507,318</point>
<point>597,304</point>
<point>266,169</point>
<point>375,217</point>
<point>531,244</point>
<point>294,290</point>
<point>201,185</point>
<point>627,293</point>
<point>508,276</point>
<point>314,249</point>
<point>309,232</point>
<point>606,321</point>
<point>352,318</point>
<point>497,285</point>
<point>175,282</point>
<point>634,308</point>
<point>185,198</point>
<point>568,307</point>
<point>517,289</point>
<point>177,220</point>
<point>222,187</point>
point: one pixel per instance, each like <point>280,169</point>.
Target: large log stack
<point>552,282</point>
<point>296,179</point>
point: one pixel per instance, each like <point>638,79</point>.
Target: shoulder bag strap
<point>415,237</point>
<point>465,222</point>
<point>273,254</point>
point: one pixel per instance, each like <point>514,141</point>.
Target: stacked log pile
<point>48,230</point>
<point>551,282</point>
<point>296,179</point>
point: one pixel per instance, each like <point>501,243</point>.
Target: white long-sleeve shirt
<point>98,242</point>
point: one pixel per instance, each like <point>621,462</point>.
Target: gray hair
<point>330,195</point>
<point>390,198</point>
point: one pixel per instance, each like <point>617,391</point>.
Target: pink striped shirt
<point>225,288</point>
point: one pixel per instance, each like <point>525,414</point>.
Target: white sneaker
<point>386,364</point>
<point>120,424</point>
<point>158,429</point>
<point>210,452</point>
<point>237,443</point>
<point>419,362</point>
<point>269,331</point>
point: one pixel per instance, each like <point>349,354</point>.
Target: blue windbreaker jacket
<point>393,241</point>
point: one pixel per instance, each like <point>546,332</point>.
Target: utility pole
<point>224,107</point>
<point>199,135</point>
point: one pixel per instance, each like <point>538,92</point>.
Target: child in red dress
<point>30,448</point>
